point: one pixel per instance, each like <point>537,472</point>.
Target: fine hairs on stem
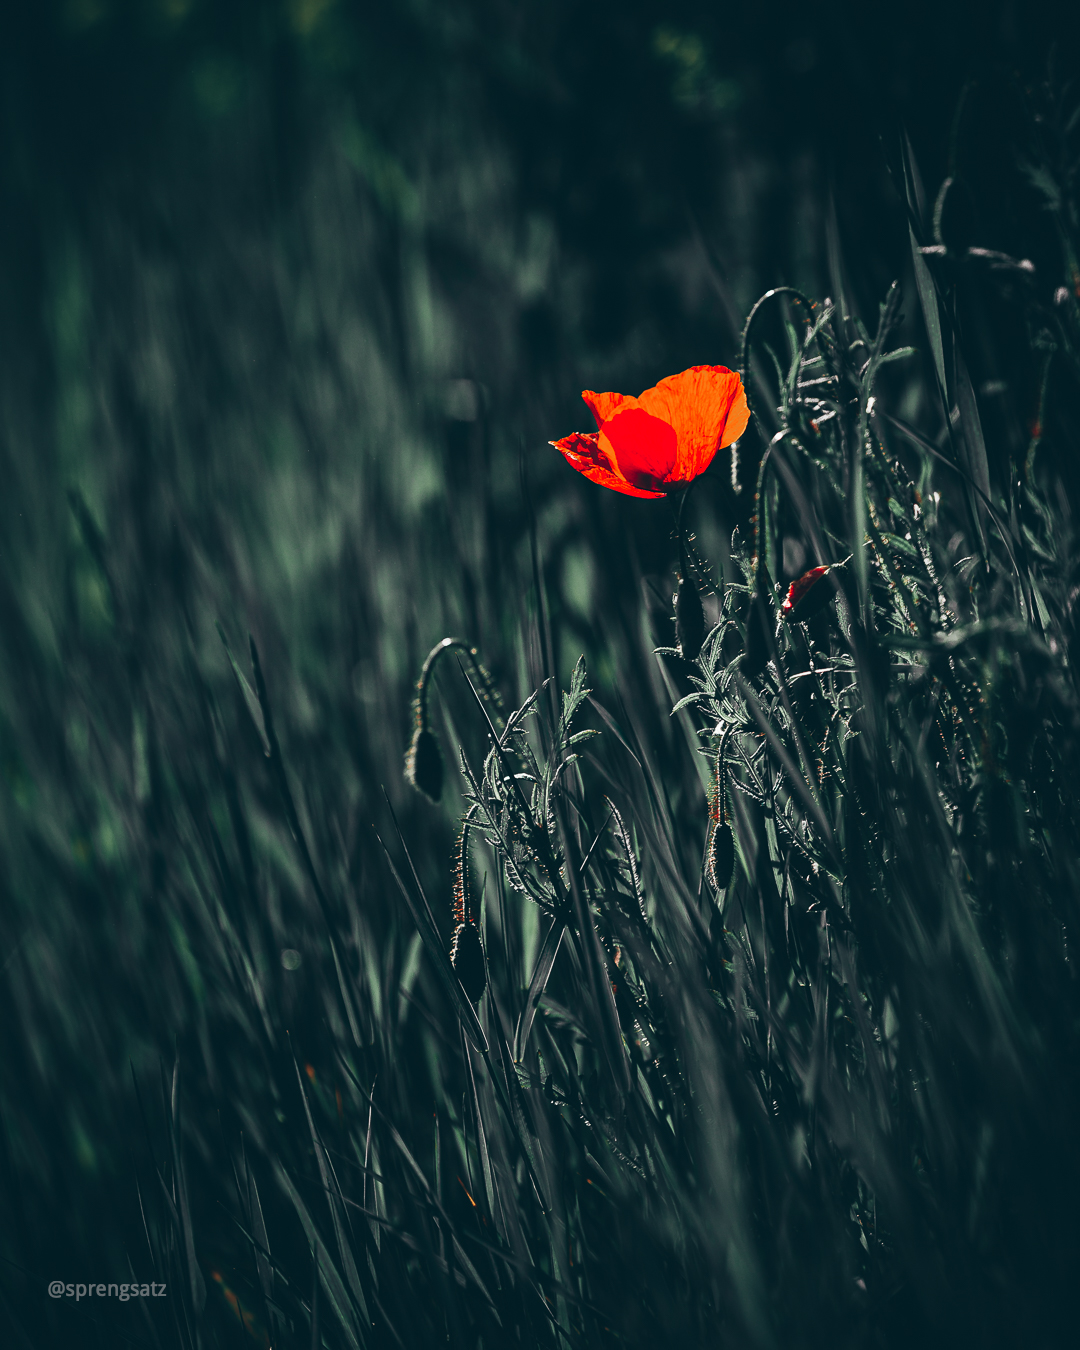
<point>720,844</point>
<point>466,947</point>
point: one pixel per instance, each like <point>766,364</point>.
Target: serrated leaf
<point>572,700</point>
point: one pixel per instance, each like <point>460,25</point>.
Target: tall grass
<point>813,1096</point>
<point>829,1101</point>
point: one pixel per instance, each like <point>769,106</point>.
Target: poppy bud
<point>721,863</point>
<point>467,958</point>
<point>423,763</point>
<point>807,595</point>
<point>689,619</point>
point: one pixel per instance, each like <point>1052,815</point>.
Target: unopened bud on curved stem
<point>423,759</point>
<point>423,762</point>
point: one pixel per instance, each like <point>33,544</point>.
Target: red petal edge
<point>798,589</point>
<point>582,452</point>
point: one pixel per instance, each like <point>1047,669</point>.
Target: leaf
<point>924,283</point>
<point>974,444</point>
<point>896,354</point>
<point>251,702</point>
<point>973,433</point>
<point>578,693</point>
<point>195,1275</point>
<point>258,1228</point>
<point>1040,605</point>
<point>795,778</point>
<point>332,1200</point>
<point>1043,181</point>
<point>537,985</point>
<point>901,545</point>
<point>481,1137</point>
<point>425,924</point>
<point>1040,550</point>
<point>331,1280</point>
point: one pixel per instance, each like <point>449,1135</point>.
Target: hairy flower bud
<point>467,958</point>
<point>689,619</point>
<point>721,863</point>
<point>423,763</point>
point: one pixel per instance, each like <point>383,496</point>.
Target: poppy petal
<point>581,451</point>
<point>707,407</point>
<point>603,406</point>
<point>806,595</point>
<point>641,447</point>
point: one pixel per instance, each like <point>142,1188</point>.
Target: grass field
<point>768,1030</point>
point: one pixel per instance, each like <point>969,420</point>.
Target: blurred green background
<point>292,297</point>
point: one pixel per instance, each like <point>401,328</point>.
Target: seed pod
<point>467,958</point>
<point>721,864</point>
<point>689,618</point>
<point>423,763</point>
<point>808,595</point>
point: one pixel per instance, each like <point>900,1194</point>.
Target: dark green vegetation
<point>293,298</point>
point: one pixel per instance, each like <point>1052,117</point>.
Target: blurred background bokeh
<point>292,297</point>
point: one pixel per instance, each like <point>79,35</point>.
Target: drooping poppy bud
<point>807,595</point>
<point>423,759</point>
<point>467,958</point>
<point>721,863</point>
<point>423,763</point>
<point>689,617</point>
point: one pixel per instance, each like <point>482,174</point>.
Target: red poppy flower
<point>664,439</point>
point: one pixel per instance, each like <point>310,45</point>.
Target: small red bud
<point>806,595</point>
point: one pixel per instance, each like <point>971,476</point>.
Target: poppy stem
<point>490,693</point>
<point>719,812</point>
<point>679,535</point>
